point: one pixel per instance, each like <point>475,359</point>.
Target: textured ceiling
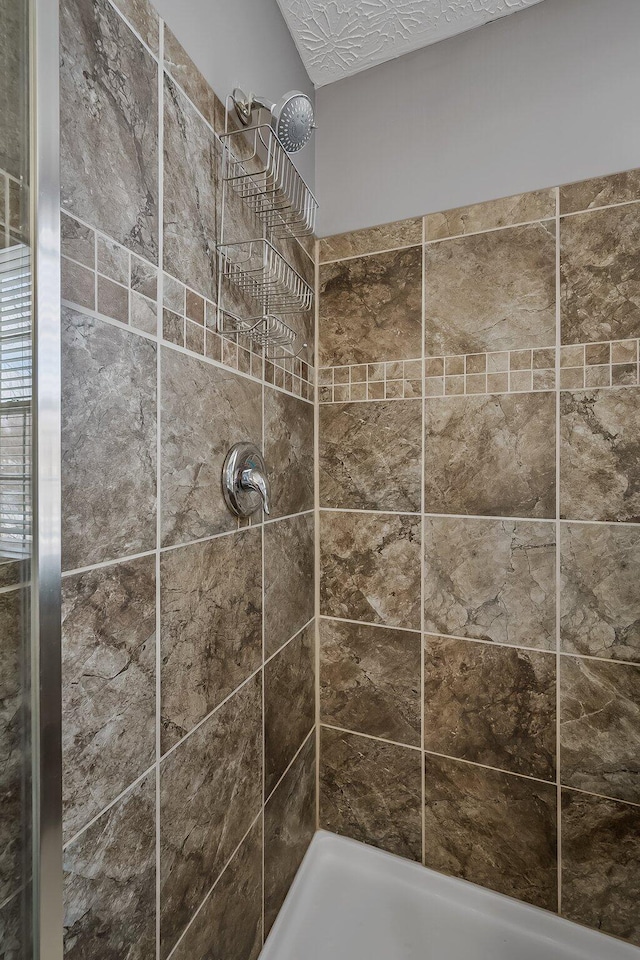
<point>337,38</point>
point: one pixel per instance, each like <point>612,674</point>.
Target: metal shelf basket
<point>261,172</point>
<point>267,331</point>
<point>256,268</point>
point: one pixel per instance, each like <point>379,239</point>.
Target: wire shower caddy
<point>258,170</point>
<point>261,172</point>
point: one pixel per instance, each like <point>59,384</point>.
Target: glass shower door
<point>30,879</point>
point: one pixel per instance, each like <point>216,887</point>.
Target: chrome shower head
<point>293,120</point>
<point>292,117</point>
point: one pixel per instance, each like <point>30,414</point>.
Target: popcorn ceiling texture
<point>337,38</point>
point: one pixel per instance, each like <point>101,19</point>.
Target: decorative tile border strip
<point>102,275</point>
<point>582,366</point>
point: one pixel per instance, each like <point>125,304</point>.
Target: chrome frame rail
<point>46,690</point>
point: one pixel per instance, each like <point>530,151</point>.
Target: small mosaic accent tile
<point>607,364</point>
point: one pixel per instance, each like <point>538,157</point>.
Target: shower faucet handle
<point>245,484</point>
<point>254,479</point>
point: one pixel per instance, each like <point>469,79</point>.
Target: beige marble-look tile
<point>492,291</point>
<point>289,703</point>
<point>600,454</point>
<point>371,791</point>
<point>143,18</point>
<point>371,455</point>
<point>210,793</point>
<point>205,410</point>
<point>491,455</point>
<point>211,626</point>
<point>192,157</point>
<point>388,236</point>
<point>600,856</point>
<point>600,605</point>
<point>600,275</point>
<point>371,308</point>
<point>492,828</point>
<point>600,191</point>
<point>491,580</point>
<point>288,578</point>
<point>14,781</point>
<point>600,727</point>
<point>109,882</point>
<point>288,450</point>
<point>109,685</point>
<point>289,825</point>
<point>492,705</point>
<point>370,568</point>
<point>108,442</point>
<point>370,680</point>
<point>229,925</point>
<point>184,71</point>
<point>109,126</point>
<point>522,208</point>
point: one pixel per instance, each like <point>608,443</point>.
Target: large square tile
<point>211,626</point>
<point>492,705</point>
<point>491,291</point>
<point>600,603</point>
<point>108,442</point>
<point>371,455</point>
<point>205,410</point>
<point>600,454</point>
<point>371,791</point>
<point>210,792</point>
<point>491,455</point>
<point>493,829</point>
<point>108,685</point>
<point>370,568</point>
<point>108,126</point>
<point>371,308</point>
<point>600,727</point>
<point>370,680</point>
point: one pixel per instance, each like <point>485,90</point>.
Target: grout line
<point>368,253</point>
<point>160,296</point>
<point>557,563</point>
<point>109,806</point>
<point>368,623</point>
<point>368,736</point>
<point>390,513</point>
<point>240,686</point>
<point>305,741</point>
<point>486,766</point>
<point>600,796</point>
<point>108,563</point>
<point>156,56</point>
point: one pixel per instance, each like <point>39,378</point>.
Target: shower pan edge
<point>350,901</point>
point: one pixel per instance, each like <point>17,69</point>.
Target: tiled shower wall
<point>479,484</point>
<point>188,638</point>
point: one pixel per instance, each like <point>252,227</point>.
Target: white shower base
<point>351,902</point>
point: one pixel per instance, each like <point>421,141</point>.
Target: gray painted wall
<point>545,96</point>
<point>241,43</point>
